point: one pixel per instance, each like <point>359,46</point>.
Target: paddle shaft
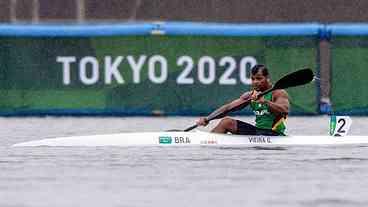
<point>214,116</point>
<point>297,78</point>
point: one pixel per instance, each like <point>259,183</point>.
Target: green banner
<point>185,75</point>
<point>349,71</point>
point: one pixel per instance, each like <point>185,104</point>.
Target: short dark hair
<point>259,67</point>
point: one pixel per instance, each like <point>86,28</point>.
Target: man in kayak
<point>271,109</point>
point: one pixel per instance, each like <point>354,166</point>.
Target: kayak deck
<point>190,139</point>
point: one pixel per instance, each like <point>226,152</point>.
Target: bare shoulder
<point>280,93</point>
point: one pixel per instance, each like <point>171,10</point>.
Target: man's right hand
<point>202,121</point>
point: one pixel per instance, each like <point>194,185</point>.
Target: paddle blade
<point>296,78</point>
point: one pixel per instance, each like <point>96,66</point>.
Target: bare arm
<point>279,103</point>
<point>234,105</point>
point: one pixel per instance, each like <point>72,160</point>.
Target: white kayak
<point>191,139</point>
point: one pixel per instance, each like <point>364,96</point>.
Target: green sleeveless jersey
<point>265,119</point>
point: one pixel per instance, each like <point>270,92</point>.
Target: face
<point>260,82</point>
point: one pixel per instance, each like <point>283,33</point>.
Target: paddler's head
<point>260,78</point>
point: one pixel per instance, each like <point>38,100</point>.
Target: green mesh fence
<point>349,71</point>
<point>185,75</point>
